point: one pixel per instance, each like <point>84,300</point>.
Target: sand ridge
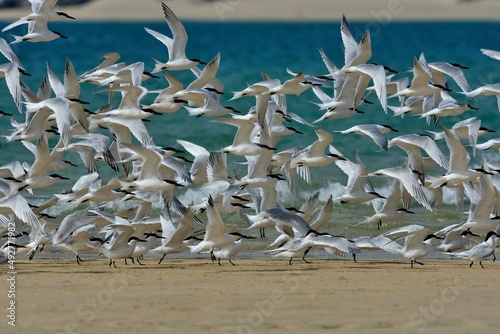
<point>382,11</point>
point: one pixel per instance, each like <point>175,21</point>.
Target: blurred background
<point>324,10</point>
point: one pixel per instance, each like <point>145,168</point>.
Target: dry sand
<point>264,295</point>
<point>256,296</point>
<point>292,10</point>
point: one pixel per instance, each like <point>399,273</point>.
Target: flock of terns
<point>147,174</point>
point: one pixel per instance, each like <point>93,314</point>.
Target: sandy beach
<point>256,296</point>
<point>382,11</point>
<point>264,295</point>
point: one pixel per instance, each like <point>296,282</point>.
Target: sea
<point>247,49</point>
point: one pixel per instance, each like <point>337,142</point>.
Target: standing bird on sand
<point>481,250</point>
<point>419,242</point>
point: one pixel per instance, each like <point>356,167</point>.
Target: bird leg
<point>78,259</point>
<point>218,262</point>
<point>290,261</point>
<point>162,258</point>
<point>305,253</point>
<point>471,263</point>
<point>139,262</point>
<point>420,263</point>
<point>481,264</point>
<point>231,262</point>
<point>354,257</point>
<point>212,255</point>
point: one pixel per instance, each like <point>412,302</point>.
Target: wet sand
<point>255,296</point>
<point>382,11</point>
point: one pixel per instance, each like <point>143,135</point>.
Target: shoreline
<point>381,11</point>
<point>263,295</point>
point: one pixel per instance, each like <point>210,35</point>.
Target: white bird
<point>420,85</point>
<point>486,90</point>
<point>80,187</point>
<point>354,53</point>
<point>227,252</point>
<point>469,128</point>
<point>64,110</point>
<point>282,218</point>
<point>453,70</point>
<point>129,107</point>
<point>482,204</point>
<point>215,238</point>
<point>211,108</point>
<point>38,32</point>
<point>323,216</point>
<point>176,46</point>
<point>258,88</point>
<point>412,106</point>
<point>102,194</point>
<point>419,242</point>
<point>296,86</point>
<point>71,223</point>
<point>314,155</point>
<point>122,244</point>
<point>454,239</point>
<point>490,144</point>
<point>243,143</point>
<point>447,107</point>
<point>340,102</point>
<point>388,210</point>
<point>110,58</point>
<point>174,238</point>
<point>458,171</point>
<point>299,247</point>
<point>374,131</point>
<point>145,228</point>
<point>408,180</point>
<point>411,144</point>
<point>12,75</point>
<point>358,188</point>
<point>6,252</point>
<point>17,205</point>
<point>42,10</point>
<point>37,176</point>
<point>366,73</point>
<point>199,167</point>
<point>80,241</point>
<point>491,53</point>
<point>149,179</point>
<point>7,52</point>
<point>206,78</point>
<point>91,147</point>
<point>164,101</point>
<point>481,250</point>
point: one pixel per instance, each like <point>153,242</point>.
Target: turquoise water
<point>247,49</point>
